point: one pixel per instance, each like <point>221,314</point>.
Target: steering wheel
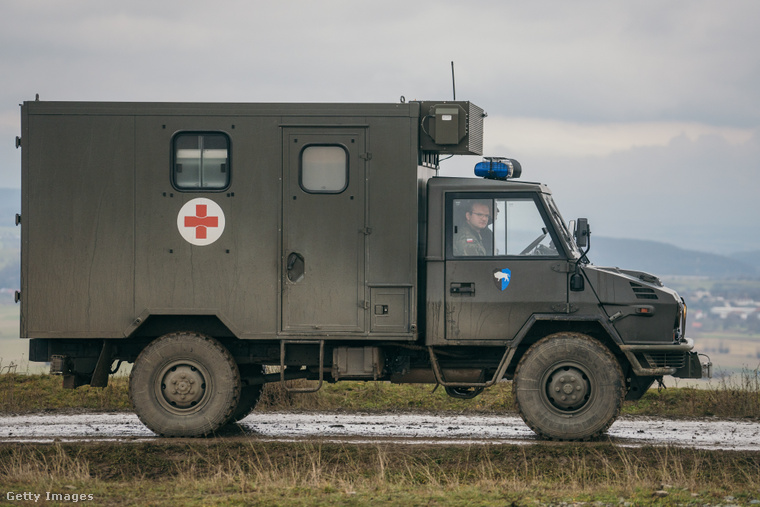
<point>535,242</point>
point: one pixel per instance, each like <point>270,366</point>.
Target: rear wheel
<point>568,386</point>
<point>184,385</point>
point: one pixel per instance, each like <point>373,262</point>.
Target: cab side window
<point>499,227</point>
<point>473,227</point>
<point>520,229</point>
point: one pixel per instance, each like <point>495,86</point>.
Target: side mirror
<point>582,232</point>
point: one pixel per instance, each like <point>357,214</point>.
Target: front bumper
<point>675,359</point>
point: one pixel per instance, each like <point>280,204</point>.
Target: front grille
<point>666,359</point>
<point>642,292</point>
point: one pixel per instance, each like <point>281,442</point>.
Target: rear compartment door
<point>323,231</point>
<point>500,253</point>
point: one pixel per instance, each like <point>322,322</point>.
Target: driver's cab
<point>501,245</point>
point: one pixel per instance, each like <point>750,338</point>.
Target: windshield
<point>566,234</point>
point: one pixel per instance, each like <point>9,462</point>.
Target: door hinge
<point>366,156</point>
<point>366,231</point>
<point>563,267</point>
<point>364,305</point>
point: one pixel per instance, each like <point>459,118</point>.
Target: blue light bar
<point>498,168</point>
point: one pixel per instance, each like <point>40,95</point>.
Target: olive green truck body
<point>315,241</point>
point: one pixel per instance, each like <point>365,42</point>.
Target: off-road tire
<point>556,369</point>
<point>184,385</point>
<point>249,395</point>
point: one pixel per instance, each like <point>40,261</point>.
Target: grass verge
<point>210,472</point>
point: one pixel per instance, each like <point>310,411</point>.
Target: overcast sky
<point>642,116</point>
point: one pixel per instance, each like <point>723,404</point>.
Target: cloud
<point>698,193</point>
<point>541,137</point>
<point>10,120</point>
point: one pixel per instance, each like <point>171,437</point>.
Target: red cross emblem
<point>201,221</point>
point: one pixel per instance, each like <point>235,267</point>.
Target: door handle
<point>296,267</point>
<point>292,259</point>
<point>463,288</point>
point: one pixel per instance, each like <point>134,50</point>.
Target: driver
<point>472,235</point>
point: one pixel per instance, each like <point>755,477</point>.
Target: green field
<point>730,352</point>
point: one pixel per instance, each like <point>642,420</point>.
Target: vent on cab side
<point>643,292</point>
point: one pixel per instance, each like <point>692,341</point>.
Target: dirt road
<point>396,428</point>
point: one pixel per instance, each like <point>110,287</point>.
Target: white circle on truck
<point>200,221</point>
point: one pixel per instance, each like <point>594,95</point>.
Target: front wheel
<point>184,385</point>
<point>568,386</point>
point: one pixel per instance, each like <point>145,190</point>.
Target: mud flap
<point>103,367</point>
<point>694,367</point>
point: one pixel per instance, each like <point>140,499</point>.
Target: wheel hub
<point>568,388</point>
<point>183,386</point>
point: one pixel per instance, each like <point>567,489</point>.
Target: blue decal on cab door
<point>502,278</point>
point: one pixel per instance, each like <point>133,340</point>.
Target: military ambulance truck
<point>219,247</point>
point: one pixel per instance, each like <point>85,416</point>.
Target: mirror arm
<point>577,283</point>
<point>583,257</point>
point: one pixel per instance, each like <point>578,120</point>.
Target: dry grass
<point>382,396</point>
<point>30,464</point>
<point>729,397</point>
<point>245,472</point>
<point>21,393</point>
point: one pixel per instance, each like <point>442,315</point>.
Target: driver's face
<point>479,216</point>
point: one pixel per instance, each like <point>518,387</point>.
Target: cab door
<point>323,231</point>
<point>501,258</point>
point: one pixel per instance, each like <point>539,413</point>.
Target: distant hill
<point>750,258</point>
<point>663,259</point>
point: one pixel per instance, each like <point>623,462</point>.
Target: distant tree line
<point>730,290</point>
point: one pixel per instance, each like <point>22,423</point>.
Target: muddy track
<point>390,428</point>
